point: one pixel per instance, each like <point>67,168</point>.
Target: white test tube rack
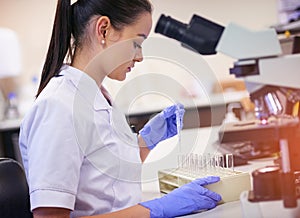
<point>231,185</point>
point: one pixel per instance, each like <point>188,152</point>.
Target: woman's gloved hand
<point>185,200</point>
<point>162,126</point>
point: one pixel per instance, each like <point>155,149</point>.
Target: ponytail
<point>72,20</point>
<point>60,43</point>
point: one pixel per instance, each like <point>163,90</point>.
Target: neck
<point>81,58</point>
<point>84,61</point>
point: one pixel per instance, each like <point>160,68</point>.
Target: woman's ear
<point>102,27</point>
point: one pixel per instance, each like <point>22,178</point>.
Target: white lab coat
<point>78,151</point>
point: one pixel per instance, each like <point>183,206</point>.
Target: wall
<point>32,20</point>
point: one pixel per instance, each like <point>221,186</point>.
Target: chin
<point>121,77</point>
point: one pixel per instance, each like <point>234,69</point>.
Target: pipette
<point>178,124</point>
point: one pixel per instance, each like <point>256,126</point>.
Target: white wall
<point>253,14</point>
<point>32,20</point>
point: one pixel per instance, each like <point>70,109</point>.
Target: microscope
<point>272,80</point>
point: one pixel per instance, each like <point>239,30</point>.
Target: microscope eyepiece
<point>170,27</point>
<point>200,35</point>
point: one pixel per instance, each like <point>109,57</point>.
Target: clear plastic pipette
<point>178,128</point>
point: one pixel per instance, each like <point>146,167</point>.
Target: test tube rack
<point>232,183</point>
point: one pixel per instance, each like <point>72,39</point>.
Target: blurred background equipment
<point>272,82</point>
<point>10,66</point>
<point>289,16</point>
<point>10,63</point>
<point>10,53</point>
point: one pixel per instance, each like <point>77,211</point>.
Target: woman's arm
<point>144,150</point>
<point>51,212</point>
<point>184,200</point>
<point>136,211</point>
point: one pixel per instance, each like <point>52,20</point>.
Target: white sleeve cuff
<point>52,198</point>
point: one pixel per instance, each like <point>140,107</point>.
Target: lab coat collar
<point>86,86</point>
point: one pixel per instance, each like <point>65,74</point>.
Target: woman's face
<point>134,34</point>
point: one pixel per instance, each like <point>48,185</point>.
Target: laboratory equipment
<point>12,110</point>
<point>203,43</point>
<point>10,53</point>
<point>230,116</point>
<point>10,61</point>
<point>192,166</point>
<point>272,80</point>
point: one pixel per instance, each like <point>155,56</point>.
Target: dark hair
<point>73,19</point>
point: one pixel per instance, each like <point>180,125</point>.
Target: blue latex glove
<point>185,200</point>
<point>162,126</point>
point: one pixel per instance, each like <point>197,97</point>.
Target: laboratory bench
<point>203,112</point>
<point>202,140</point>
<point>9,138</point>
<point>199,112</point>
<point>229,209</point>
<point>164,156</point>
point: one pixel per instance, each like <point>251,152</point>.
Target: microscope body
<point>272,80</point>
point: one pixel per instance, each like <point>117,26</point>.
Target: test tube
<point>195,168</point>
<point>208,162</point>
<point>205,164</point>
<point>220,163</point>
<point>213,164</point>
<point>180,161</point>
<point>192,164</point>
<point>217,164</point>
<point>198,164</point>
<point>185,161</point>
<point>229,161</point>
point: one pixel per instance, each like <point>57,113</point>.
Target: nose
<point>140,59</point>
<point>138,55</point>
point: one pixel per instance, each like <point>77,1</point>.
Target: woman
<point>80,157</point>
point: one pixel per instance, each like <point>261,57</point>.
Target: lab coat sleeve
<point>54,157</point>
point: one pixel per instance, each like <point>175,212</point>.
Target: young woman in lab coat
<point>79,155</point>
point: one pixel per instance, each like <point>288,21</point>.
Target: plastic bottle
<point>12,111</point>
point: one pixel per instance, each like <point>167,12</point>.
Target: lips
<point>130,68</point>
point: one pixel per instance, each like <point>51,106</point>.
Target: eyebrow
<point>142,35</point>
